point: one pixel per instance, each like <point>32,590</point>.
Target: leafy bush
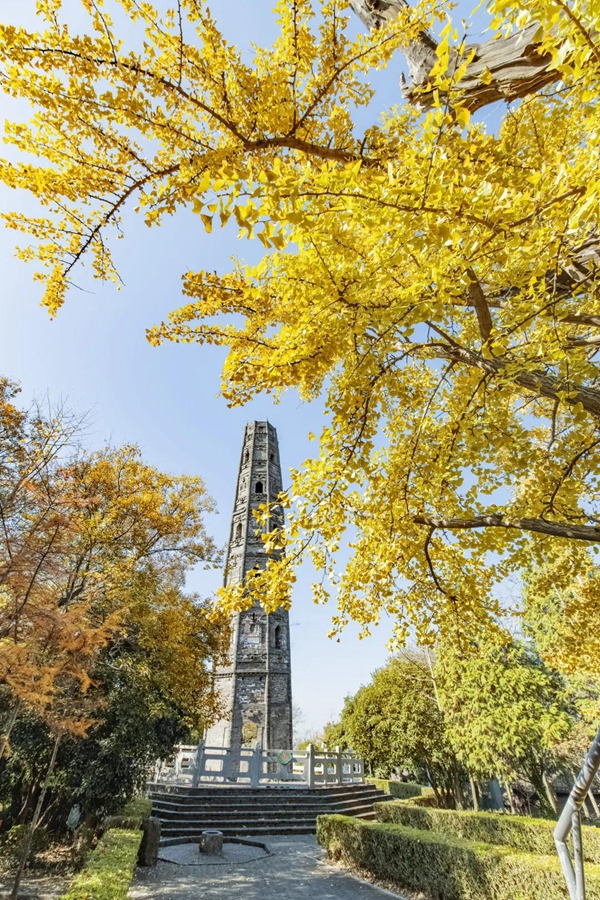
<point>132,815</point>
<point>443,867</point>
<point>109,869</point>
<point>403,790</point>
<point>430,801</point>
<point>520,832</point>
<point>12,842</point>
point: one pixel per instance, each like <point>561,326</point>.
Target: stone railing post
<point>199,764</point>
<point>256,765</point>
<point>310,766</point>
<point>339,770</point>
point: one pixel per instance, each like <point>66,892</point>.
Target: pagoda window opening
<point>238,531</point>
<point>277,637</point>
<point>259,487</point>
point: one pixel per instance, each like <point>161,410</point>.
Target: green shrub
<point>109,869</point>
<point>12,842</point>
<point>520,832</point>
<point>446,868</point>
<point>429,801</point>
<point>132,815</point>
<point>403,790</point>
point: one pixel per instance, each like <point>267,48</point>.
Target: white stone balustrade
<point>256,766</point>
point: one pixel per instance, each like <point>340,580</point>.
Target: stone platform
<point>295,869</point>
<point>233,854</point>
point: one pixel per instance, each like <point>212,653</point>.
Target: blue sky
<point>95,354</point>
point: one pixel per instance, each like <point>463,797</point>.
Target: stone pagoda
<point>256,686</point>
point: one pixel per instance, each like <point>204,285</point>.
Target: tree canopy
<point>98,637</point>
<point>505,712</point>
<point>434,279</point>
<point>395,721</point>
<point>94,549</point>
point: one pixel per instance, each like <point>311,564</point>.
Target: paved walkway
<point>295,870</point>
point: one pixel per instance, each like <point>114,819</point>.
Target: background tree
<point>97,636</point>
<point>505,712</point>
<point>150,693</point>
<point>47,645</point>
<point>395,722</point>
<point>442,291</point>
<point>561,612</point>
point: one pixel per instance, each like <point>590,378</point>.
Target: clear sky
<point>95,354</point>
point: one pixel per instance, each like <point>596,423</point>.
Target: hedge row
<point>520,832</point>
<point>132,816</point>
<point>402,790</point>
<point>109,869</point>
<point>446,868</point>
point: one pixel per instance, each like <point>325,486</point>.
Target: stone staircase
<point>184,812</point>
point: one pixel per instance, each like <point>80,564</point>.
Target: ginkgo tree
<point>437,281</point>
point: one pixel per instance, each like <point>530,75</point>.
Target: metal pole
<point>578,856</point>
<point>570,819</point>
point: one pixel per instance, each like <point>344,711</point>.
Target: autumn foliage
<point>94,549</point>
<point>434,278</point>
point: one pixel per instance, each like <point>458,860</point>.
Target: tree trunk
<point>509,794</point>
<point>459,797</point>
<point>515,64</point>
<point>4,738</point>
<point>34,822</point>
<point>434,785</point>
<point>28,802</point>
<point>474,796</point>
<point>550,794</point>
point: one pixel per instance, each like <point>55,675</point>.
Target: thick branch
<point>478,300</point>
<point>581,269</point>
<point>537,382</point>
<point>515,64</point>
<point>588,533</point>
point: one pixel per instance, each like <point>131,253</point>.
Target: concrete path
<point>295,870</point>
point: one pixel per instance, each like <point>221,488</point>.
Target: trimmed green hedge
<point>109,869</point>
<point>429,801</point>
<point>446,868</point>
<point>402,790</point>
<point>520,832</point>
<point>132,816</point>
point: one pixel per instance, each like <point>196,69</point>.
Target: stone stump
<point>148,853</point>
<point>211,842</point>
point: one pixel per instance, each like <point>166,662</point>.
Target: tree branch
<point>537,382</point>
<point>588,533</point>
<point>477,297</point>
<point>515,64</point>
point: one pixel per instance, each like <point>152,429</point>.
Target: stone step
<point>237,809</point>
<point>264,802</point>
<point>279,789</point>
<point>210,818</point>
<point>228,796</point>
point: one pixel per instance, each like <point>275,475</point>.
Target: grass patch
<point>444,867</point>
<point>109,869</point>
